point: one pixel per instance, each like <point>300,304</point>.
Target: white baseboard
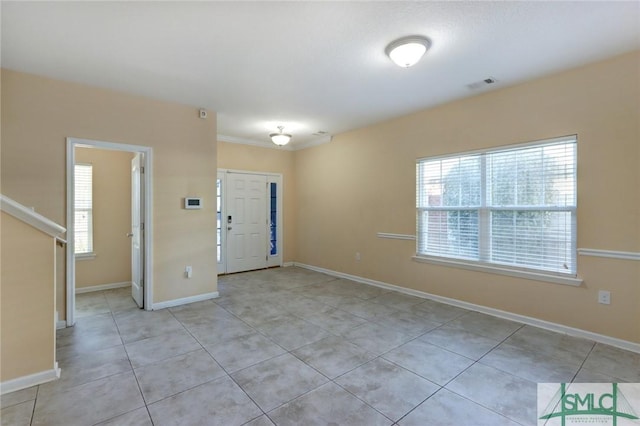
<point>184,300</point>
<point>59,323</point>
<point>600,338</point>
<point>288,264</point>
<point>30,380</point>
<point>102,287</point>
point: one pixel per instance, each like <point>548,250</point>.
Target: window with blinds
<point>83,206</point>
<point>513,207</point>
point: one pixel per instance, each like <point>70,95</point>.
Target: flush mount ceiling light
<point>280,139</point>
<point>407,51</point>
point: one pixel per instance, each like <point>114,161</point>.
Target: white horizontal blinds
<point>512,207</point>
<point>83,206</point>
<point>449,196</point>
<point>531,195</point>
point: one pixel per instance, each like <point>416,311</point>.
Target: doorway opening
<point>139,229</point>
<point>249,221</point>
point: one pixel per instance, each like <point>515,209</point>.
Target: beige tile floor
<point>295,347</point>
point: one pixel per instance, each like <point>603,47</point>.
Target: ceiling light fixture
<point>407,51</point>
<point>280,139</point>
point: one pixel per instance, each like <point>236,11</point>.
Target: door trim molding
<point>72,144</point>
<point>222,265</point>
<point>249,172</point>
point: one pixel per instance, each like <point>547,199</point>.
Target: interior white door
<point>137,229</point>
<point>246,222</point>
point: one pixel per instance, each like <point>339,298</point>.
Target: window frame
<point>89,254</point>
<point>484,263</point>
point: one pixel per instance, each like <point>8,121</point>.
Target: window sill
<point>85,256</point>
<point>537,276</point>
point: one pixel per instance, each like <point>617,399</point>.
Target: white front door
<point>221,224</point>
<point>137,229</point>
<point>246,222</point>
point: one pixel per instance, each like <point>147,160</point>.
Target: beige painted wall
<point>256,159</point>
<point>26,300</point>
<point>39,113</point>
<point>363,182</point>
<point>111,218</point>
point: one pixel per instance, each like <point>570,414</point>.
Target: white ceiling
<point>307,65</point>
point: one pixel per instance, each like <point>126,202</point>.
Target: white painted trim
<point>612,254</point>
<point>80,290</point>
<point>222,264</point>
<point>58,322</point>
<point>288,264</point>
<point>313,142</point>
<point>185,300</point>
<point>30,380</point>
<point>71,250</point>
<point>252,142</point>
<point>249,172</point>
<point>559,328</point>
<point>30,217</point>
<point>270,145</point>
<point>396,236</point>
<point>85,256</point>
<point>73,143</point>
<point>535,276</point>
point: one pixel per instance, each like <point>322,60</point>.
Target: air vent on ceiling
<point>482,83</point>
<point>320,133</point>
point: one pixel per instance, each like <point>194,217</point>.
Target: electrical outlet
<point>188,271</point>
<point>358,257</point>
<point>604,297</point>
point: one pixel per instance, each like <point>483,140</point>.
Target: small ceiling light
<point>407,51</point>
<point>280,139</point>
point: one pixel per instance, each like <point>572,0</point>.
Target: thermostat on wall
<point>192,203</point>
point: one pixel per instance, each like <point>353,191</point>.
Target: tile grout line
<point>221,367</point>
<point>280,289</point>
<point>133,372</point>
<point>584,361</point>
<point>478,362</point>
<point>33,410</point>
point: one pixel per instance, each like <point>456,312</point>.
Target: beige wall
<point>363,182</point>
<point>256,159</point>
<point>39,113</point>
<point>26,300</point>
<point>111,218</point>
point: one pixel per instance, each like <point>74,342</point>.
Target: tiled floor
<point>295,347</point>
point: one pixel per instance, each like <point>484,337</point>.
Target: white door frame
<point>271,177</point>
<point>222,265</point>
<point>72,144</point>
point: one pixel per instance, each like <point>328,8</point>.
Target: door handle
<point>130,234</point>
